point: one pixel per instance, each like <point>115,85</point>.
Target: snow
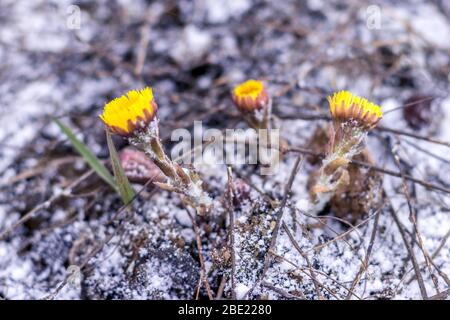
<point>240,290</point>
<point>220,11</point>
<point>432,26</point>
<point>193,45</point>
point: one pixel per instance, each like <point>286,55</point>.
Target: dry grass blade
<point>231,236</point>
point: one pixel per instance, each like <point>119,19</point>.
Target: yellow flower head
<point>250,95</point>
<point>345,106</point>
<point>130,112</point>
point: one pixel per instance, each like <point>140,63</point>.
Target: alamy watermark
<point>73,20</point>
<point>230,147</point>
<point>373,17</point>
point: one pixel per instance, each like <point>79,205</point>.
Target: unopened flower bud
<point>250,96</point>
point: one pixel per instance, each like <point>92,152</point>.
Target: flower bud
<point>250,96</point>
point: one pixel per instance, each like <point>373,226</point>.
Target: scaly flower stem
<point>333,172</point>
<point>185,182</point>
<point>259,119</point>
<point>353,117</point>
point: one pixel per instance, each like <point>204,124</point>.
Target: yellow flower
<point>345,106</point>
<point>250,95</point>
<point>130,112</point>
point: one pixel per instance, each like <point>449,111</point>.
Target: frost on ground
<point>193,53</point>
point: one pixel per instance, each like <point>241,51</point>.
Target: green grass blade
<point>87,155</point>
<point>123,185</point>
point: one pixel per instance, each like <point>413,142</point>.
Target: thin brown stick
<point>44,205</point>
<point>99,247</point>
<point>40,168</point>
<point>231,234</point>
<point>441,296</point>
<point>413,217</point>
<point>203,276</point>
<point>308,263</point>
<point>433,255</point>
<point>412,135</point>
<point>365,263</point>
<point>325,225</point>
<point>279,216</point>
<point>423,290</point>
<point>341,235</point>
<point>219,293</point>
<point>441,245</point>
<point>281,292</point>
<point>302,269</point>
<point>423,183</point>
<point>143,43</point>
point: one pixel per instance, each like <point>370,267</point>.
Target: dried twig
<point>343,234</point>
<point>44,205</point>
<point>280,210</point>
<point>375,168</point>
<point>441,296</point>
<point>423,290</point>
<point>203,275</point>
<point>108,238</point>
<point>303,270</point>
<point>365,263</point>
<point>230,197</point>
<point>412,135</point>
<point>413,216</point>
<point>308,263</point>
<point>279,216</point>
<point>222,284</point>
<point>433,256</point>
<point>282,292</point>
